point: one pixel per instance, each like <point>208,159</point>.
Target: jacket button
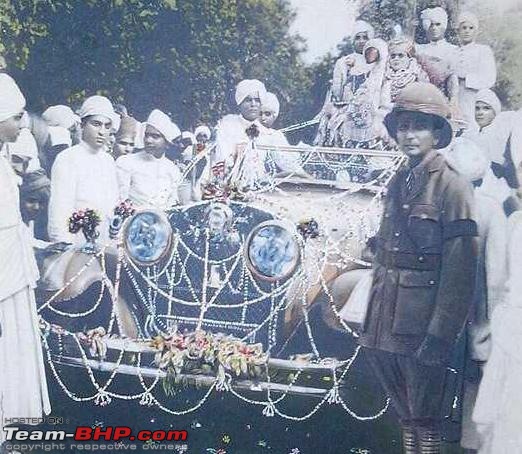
<point>395,249</point>
<point>432,282</point>
<point>397,234</point>
<point>405,206</point>
<point>421,259</point>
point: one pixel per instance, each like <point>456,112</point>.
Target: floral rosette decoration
<point>308,228</point>
<point>87,221</point>
<point>123,211</point>
<point>201,350</point>
<point>252,132</point>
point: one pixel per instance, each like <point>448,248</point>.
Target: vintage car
<point>228,295</point>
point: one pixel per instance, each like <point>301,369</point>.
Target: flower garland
<point>200,350</point>
<point>308,228</point>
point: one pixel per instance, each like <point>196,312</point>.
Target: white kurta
<point>81,178</point>
<point>490,293</point>
<point>231,137</point>
<point>148,181</point>
<point>285,162</point>
<point>498,410</point>
<point>476,69</point>
<point>23,386</point>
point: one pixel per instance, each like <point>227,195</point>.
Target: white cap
<point>12,101</point>
<point>249,87</point>
<point>270,102</point>
<point>205,130</point>
<point>361,26</point>
<point>436,14</point>
<point>489,97</point>
<point>60,115</point>
<point>164,125</point>
<point>99,105</point>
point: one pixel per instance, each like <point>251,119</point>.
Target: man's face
<point>19,164</point>
<point>436,31</point>
<point>484,114</point>
<point>124,145</point>
<point>250,107</point>
<point>155,142</point>
<point>267,117</point>
<point>398,59</point>
<point>359,41</point>
<point>30,208</point>
<point>10,128</point>
<point>96,131</point>
<point>416,134</point>
<point>371,55</point>
<point>467,32</point>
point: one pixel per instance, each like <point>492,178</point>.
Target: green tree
<point>183,56</point>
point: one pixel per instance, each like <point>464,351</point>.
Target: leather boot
<point>410,443</point>
<point>430,441</point>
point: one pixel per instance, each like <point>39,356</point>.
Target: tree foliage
<point>184,56</point>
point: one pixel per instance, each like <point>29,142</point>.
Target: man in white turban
<point>148,178</point>
<point>232,137</point>
<point>439,57</point>
<point>23,386</point>
<point>84,175</point>
<point>476,67</point>
<point>500,136</point>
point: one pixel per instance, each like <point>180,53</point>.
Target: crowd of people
<point>456,202</point>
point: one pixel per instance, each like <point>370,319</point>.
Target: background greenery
<point>185,56</point>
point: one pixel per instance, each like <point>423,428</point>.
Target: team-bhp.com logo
<point>84,433</point>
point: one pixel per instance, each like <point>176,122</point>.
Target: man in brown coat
<point>424,271</point>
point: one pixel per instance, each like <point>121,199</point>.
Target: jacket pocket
<point>416,293</point>
<point>424,228</point>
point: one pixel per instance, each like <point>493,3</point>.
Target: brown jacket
<point>425,266</point>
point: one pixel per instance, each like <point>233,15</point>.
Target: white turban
<point>205,130</point>
<point>60,115</point>
<point>468,159</point>
<point>362,26</point>
<point>249,87</point>
<point>469,17</point>
<point>489,97</point>
<point>12,101</point>
<point>164,125</point>
<point>437,14</point>
<point>99,105</point>
<point>188,135</point>
<point>59,135</point>
<point>270,102</point>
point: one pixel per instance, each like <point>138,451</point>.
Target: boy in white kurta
<point>148,178</point>
<point>285,163</point>
<point>23,386</point>
<point>500,137</point>
<point>84,176</point>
